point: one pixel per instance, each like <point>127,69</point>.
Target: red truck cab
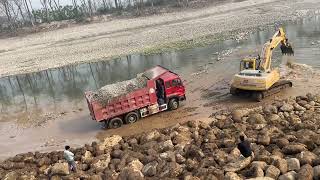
<point>164,90</point>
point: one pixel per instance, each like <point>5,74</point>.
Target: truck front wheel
<point>115,123</point>
<point>131,117</point>
<point>173,104</point>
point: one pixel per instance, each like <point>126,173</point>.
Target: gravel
<point>109,92</point>
<point>97,41</point>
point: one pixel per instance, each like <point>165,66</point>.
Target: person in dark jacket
<point>160,92</point>
<point>244,147</point>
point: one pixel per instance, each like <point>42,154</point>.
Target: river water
<point>26,96</point>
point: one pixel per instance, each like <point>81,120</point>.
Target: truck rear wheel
<point>131,117</point>
<point>115,123</point>
<point>173,104</point>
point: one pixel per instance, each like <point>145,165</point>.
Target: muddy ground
<point>96,41</point>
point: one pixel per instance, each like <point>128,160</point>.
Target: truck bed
<point>123,104</point>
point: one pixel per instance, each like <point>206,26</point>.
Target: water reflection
<point>56,89</point>
<point>62,88</point>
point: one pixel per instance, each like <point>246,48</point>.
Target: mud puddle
<point>45,110</point>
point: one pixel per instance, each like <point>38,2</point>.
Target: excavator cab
<point>249,64</point>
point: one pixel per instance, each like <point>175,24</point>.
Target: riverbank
<point>177,30</point>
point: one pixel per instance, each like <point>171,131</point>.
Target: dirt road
<point>98,41</point>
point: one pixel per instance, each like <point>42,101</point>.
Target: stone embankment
<point>284,136</point>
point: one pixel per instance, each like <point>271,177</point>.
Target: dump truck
<point>155,90</point>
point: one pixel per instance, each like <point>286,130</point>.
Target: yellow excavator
<point>256,76</point>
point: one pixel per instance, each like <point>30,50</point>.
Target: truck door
<point>174,88</point>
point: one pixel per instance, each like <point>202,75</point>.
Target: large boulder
<point>150,169</point>
<point>260,164</point>
<point>273,118</point>
<point>302,102</point>
<point>281,164</point>
<point>100,163</point>
<point>136,165</point>
<point>272,172</point>
<point>27,177</point>
<point>238,114</point>
<point>287,107</point>
<point>11,176</point>
<point>182,136</point>
<point>293,164</point>
<point>150,136</point>
<point>117,153</point>
<point>270,109</point>
<point>294,119</point>
<point>293,149</point>
<point>168,156</point>
<point>129,173</point>
<point>232,176</point>
<point>238,165</point>
<point>87,157</point>
<point>171,170</point>
<point>305,172</point>
<point>263,139</point>
<point>166,145</point>
<point>297,107</point>
<point>60,169</point>
<point>281,142</point>
<point>316,172</point>
<point>256,172</point>
<point>43,161</point>
<point>292,175</point>
<point>256,119</point>
<point>180,159</point>
<point>109,142</point>
<point>306,157</point>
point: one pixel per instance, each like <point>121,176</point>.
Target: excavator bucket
<point>287,49</point>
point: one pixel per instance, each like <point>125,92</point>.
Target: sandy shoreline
<point>104,40</point>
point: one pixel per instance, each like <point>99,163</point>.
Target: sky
<point>37,5</point>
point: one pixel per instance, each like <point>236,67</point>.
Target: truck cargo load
<point>107,93</point>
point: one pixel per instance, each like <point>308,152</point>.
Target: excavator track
<point>259,95</point>
<point>275,88</point>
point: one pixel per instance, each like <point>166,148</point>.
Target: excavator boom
<point>286,48</point>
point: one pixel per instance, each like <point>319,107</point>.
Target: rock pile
<point>284,136</point>
<point>107,93</point>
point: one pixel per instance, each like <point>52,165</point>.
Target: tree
<point>5,7</point>
<point>31,18</point>
<point>116,4</point>
<point>19,5</point>
<point>45,6</point>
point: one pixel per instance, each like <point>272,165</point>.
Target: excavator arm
<point>286,48</point>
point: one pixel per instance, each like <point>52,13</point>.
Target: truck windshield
<point>176,82</point>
